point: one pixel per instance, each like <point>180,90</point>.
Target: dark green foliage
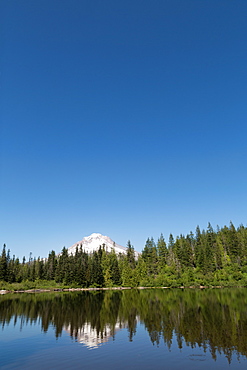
<point>96,273</point>
<point>162,251</point>
<point>62,271</point>
<point>207,258</point>
<point>3,264</point>
<point>131,255</point>
<point>150,256</point>
<point>50,266</point>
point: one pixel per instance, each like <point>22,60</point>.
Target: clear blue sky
<point>127,118</point>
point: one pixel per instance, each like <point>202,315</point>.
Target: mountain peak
<point>92,243</point>
<point>95,235</point>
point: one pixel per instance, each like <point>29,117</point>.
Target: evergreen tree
<point>242,242</point>
<point>11,269</point>
<point>234,246</point>
<point>39,269</point>
<point>32,268</point>
<point>150,256</point>
<point>131,255</point>
<point>141,270</point>
<point>187,253</point>
<point>3,264</point>
<point>62,270</point>
<point>171,256</point>
<point>116,276</point>
<point>162,252</point>
<point>50,266</point>
<point>17,271</point>
<point>96,275</point>
<point>129,275</point>
<point>219,253</point>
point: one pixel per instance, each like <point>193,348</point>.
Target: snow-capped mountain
<point>92,243</point>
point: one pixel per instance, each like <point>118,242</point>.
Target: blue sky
<point>126,118</point>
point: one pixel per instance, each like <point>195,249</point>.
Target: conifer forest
<point>204,258</point>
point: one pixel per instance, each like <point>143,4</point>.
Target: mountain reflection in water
<point>90,337</point>
<point>215,320</point>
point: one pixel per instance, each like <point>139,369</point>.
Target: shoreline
<point>201,287</point>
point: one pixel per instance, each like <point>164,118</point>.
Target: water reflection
<point>215,320</point>
<point>88,335</point>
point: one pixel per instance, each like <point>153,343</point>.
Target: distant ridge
<point>92,243</point>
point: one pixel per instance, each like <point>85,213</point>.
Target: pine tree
<point>17,271</point>
<point>234,247</point>
<point>39,269</point>
<point>115,271</point>
<point>171,256</point>
<point>96,274</point>
<point>50,266</point>
<point>62,270</point>
<point>11,270</point>
<point>131,255</point>
<point>162,252</point>
<point>150,256</point>
<point>219,253</point>
<point>129,275</point>
<point>242,242</point>
<point>141,270</point>
<point>3,264</point>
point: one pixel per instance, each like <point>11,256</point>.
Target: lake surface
<point>147,329</point>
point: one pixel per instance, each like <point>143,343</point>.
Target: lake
<point>119,329</point>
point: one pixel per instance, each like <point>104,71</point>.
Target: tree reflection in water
<point>213,319</point>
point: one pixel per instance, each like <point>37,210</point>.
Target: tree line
<point>207,257</point>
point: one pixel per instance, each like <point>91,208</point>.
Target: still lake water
<point>147,329</point>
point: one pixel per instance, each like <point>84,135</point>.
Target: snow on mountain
<point>92,243</point>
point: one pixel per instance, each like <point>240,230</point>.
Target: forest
<point>204,258</point>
